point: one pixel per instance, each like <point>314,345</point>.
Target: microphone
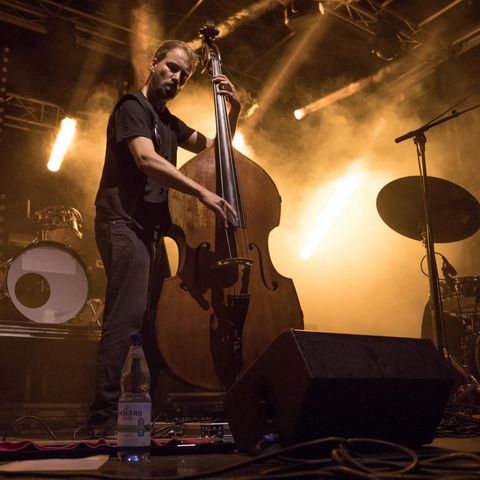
<point>447,268</point>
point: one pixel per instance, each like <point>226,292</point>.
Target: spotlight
<point>297,8</point>
<point>386,44</point>
<point>321,7</point>
<point>64,139</point>
<point>299,114</point>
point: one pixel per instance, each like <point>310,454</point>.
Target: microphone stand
<point>436,308</point>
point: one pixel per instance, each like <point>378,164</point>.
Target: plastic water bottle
<point>134,406</point>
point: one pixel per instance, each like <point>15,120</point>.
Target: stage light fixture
<point>385,43</point>
<point>64,139</point>
<point>299,113</point>
<point>346,91</point>
<point>321,6</point>
<point>297,8</point>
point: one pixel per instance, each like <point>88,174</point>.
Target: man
<point>132,213</point>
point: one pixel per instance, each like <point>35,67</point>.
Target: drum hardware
<point>455,215</point>
<point>91,314</point>
<point>62,225</point>
<point>461,300</point>
<point>469,344</point>
<point>464,209</point>
<point>471,384</point>
<point>461,297</point>
<point>96,307</point>
<point>461,304</point>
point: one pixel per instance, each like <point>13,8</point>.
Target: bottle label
<point>134,424</point>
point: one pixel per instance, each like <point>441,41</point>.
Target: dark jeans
<point>132,264</point>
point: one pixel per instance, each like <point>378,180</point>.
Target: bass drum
<point>48,283</point>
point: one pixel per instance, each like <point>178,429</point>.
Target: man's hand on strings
<point>226,88</point>
<point>218,205</point>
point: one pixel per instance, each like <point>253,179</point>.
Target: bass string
<point>227,155</point>
<point>218,114</point>
<point>222,119</point>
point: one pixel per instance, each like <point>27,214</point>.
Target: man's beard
<point>167,92</point>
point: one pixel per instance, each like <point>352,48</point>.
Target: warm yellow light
<point>240,144</point>
<point>238,140</point>
<point>251,110</point>
<point>345,92</point>
<point>62,142</point>
<point>299,114</point>
<point>345,187</point>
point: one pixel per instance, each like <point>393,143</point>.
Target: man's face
<point>170,74</point>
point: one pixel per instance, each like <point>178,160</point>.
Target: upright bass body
<point>196,323</point>
<point>227,302</point>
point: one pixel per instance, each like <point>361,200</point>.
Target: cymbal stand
<point>471,383</point>
<point>439,338</point>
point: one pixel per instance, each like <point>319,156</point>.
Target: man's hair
<point>168,45</point>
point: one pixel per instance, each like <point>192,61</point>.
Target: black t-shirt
<point>126,192</point>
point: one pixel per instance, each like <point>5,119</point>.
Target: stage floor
<point>184,462</point>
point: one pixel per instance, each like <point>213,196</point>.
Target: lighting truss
<point>365,14</point>
<point>100,34</point>
<point>27,113</point>
<point>92,31</point>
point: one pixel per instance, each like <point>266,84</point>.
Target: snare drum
<point>462,297</point>
<point>48,282</point>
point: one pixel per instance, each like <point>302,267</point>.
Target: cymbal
<point>454,212</point>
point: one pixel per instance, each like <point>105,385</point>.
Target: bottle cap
<point>136,339</point>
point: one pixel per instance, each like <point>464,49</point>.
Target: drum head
<point>48,283</point>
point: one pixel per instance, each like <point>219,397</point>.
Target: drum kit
<point>48,282</point>
<point>455,216</point>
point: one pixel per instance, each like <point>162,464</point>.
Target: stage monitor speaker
<point>308,385</point>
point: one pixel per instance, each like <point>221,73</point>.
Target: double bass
<point>227,302</point>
